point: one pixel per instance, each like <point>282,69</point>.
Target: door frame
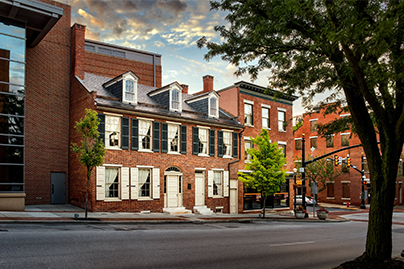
<point>201,177</point>
<point>180,183</point>
<point>57,191</point>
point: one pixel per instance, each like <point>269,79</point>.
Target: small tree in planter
<point>91,152</point>
<point>266,164</point>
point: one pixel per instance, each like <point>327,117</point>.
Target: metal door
<point>199,189</point>
<point>58,188</point>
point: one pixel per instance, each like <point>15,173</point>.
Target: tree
<point>320,171</point>
<point>91,152</point>
<point>352,50</point>
<point>266,164</point>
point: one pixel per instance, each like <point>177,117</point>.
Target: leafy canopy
<point>266,164</point>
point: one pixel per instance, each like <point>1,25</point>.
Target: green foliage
<point>320,171</point>
<point>91,152</point>
<point>266,164</point>
<point>298,123</point>
<point>350,50</point>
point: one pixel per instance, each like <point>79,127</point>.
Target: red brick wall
<point>355,154</point>
<point>129,158</point>
<point>228,101</point>
<point>47,109</point>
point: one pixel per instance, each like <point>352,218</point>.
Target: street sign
<point>299,182</point>
<point>301,170</point>
<point>339,160</point>
<point>314,188</point>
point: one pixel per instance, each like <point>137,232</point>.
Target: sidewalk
<point>70,214</point>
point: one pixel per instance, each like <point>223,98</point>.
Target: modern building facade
<point>346,188</point>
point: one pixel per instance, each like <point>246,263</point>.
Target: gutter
<point>239,151</point>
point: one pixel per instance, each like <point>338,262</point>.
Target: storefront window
<point>253,199</point>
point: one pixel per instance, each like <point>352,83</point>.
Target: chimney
<point>207,83</point>
<point>184,88</point>
<point>78,49</point>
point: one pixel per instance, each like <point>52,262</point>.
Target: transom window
<point>144,182</point>
<point>112,183</point>
<point>145,135</point>
<point>129,91</point>
<point>248,114</point>
<point>217,183</point>
<point>203,141</point>
<point>175,100</point>
<point>227,144</point>
<point>173,131</point>
<point>112,131</point>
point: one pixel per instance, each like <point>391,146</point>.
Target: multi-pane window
<point>213,107</point>
<point>145,135</point>
<point>298,144</point>
<point>173,138</point>
<point>313,142</point>
<point>129,90</point>
<point>247,145</point>
<point>281,120</point>
<point>144,182</point>
<point>175,100</point>
<point>12,98</point>
<point>330,189</point>
<point>313,126</point>
<point>227,143</point>
<point>248,114</point>
<point>346,190</point>
<point>112,131</point>
<point>345,140</point>
<point>283,147</point>
<point>217,183</point>
<point>329,140</point>
<point>265,118</point>
<point>203,140</point>
<point>112,182</point>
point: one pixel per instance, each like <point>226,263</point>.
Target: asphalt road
<point>222,245</point>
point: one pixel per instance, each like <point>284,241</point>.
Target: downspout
<point>154,70</point>
<point>239,154</point>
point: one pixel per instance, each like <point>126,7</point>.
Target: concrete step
<point>176,210</point>
<point>203,210</point>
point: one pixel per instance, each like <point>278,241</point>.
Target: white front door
<point>233,196</point>
<point>199,189</point>
<point>172,191</point>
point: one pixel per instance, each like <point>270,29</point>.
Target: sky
<point>167,27</point>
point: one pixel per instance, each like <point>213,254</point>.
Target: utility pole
<point>303,176</point>
<point>363,206</point>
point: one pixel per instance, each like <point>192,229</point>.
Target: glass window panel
<point>213,107</point>
<point>12,30</point>
<point>173,138</point>
<point>144,182</point>
<point>11,188</point>
<point>11,125</point>
<point>330,141</point>
<point>145,134</point>
<point>129,90</point>
<point>4,87</point>
<point>217,183</point>
<point>345,140</point>
<point>11,104</point>
<point>90,48</point>
<point>11,154</point>
<point>298,144</point>
<point>12,174</point>
<point>281,120</point>
<point>247,145</point>
<point>226,143</point>
<point>203,141</point>
<point>313,143</point>
<point>12,72</point>
<point>12,48</point>
<point>175,97</point>
<point>111,182</point>
<point>12,140</point>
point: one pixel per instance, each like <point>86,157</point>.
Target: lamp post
<point>363,206</point>
<point>303,176</point>
<point>294,187</point>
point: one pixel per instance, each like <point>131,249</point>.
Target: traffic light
<point>335,160</point>
<point>348,161</point>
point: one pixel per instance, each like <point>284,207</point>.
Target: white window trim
<point>313,119</point>
<point>113,114</point>
<point>112,165</point>
<point>144,166</point>
<point>344,115</point>
<point>281,109</point>
<point>248,102</point>
<point>217,106</point>
<point>282,143</point>
<point>119,198</point>
<point>175,88</point>
<point>200,169</point>
<point>247,138</point>
<point>125,78</point>
<point>266,106</point>
<point>345,133</point>
<point>298,139</point>
<point>313,137</point>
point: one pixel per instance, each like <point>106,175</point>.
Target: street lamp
<point>294,187</point>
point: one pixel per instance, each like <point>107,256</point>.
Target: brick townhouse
<point>347,187</point>
<point>167,150</point>
<point>257,108</point>
<point>34,100</point>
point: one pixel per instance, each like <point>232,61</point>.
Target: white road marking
<point>292,244</point>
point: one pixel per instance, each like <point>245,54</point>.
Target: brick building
<point>347,187</point>
<point>257,110</point>
<point>34,100</point>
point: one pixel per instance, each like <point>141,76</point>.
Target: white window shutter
<point>210,183</point>
<point>100,195</point>
<point>226,183</point>
<point>125,183</point>
<point>133,183</point>
<point>156,183</point>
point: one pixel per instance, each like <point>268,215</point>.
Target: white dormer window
<point>129,88</point>
<point>213,107</point>
<point>175,99</point>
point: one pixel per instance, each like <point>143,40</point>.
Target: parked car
<point>309,200</point>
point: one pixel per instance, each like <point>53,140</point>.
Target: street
<point>217,245</point>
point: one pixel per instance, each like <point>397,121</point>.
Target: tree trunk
<point>88,179</point>
<point>263,207</point>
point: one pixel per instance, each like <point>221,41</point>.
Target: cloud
<point>93,21</point>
